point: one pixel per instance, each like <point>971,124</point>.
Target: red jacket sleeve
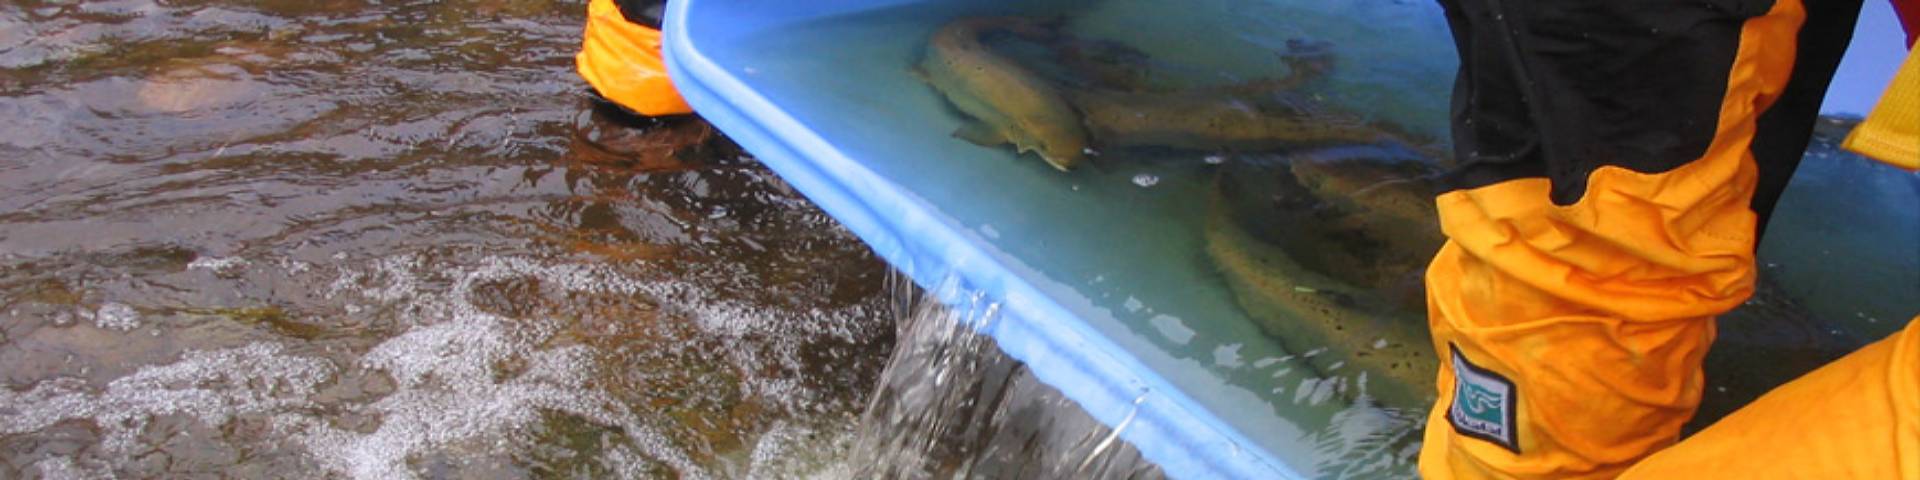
<point>1909,13</point>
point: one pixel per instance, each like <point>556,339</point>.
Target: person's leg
<point>1602,215</point>
<point>622,61</point>
<point>1857,418</point>
<point>646,13</point>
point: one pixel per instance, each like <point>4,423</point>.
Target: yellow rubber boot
<point>622,61</point>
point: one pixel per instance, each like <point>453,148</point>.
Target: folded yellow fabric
<point>1856,418</point>
<point>1892,132</point>
<point>622,61</point>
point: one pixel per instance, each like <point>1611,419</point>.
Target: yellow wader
<point>1857,418</point>
<point>1618,161</point>
<point>622,61</point>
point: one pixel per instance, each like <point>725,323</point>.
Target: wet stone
<point>62,440</point>
<point>356,387</point>
<point>273,319</point>
<point>84,351</point>
<point>50,291</point>
<point>161,258</point>
<point>195,88</point>
<point>511,297</point>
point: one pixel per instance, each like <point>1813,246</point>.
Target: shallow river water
<point>390,239</point>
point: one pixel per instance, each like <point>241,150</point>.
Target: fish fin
<point>980,134</point>
<point>1060,164</point>
<point>919,73</point>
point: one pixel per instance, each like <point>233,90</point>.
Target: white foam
<point>116,316</point>
<point>760,337</point>
<point>220,265</point>
<point>64,468</point>
<point>451,389</point>
<point>463,378</point>
<point>447,395</point>
<point>789,450</point>
<point>212,386</point>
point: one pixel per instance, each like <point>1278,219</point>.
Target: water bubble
<point>62,468</point>
<point>1146,180</point>
<point>192,386</point>
<point>116,316</point>
<point>218,265</point>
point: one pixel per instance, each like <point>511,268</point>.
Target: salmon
<point>1225,119</point>
<point>1324,250</point>
<point>1005,102</point>
<point>1264,114</point>
<point>1096,94</point>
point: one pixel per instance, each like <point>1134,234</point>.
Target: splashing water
<point>458,384</point>
<point>451,388</point>
<point>211,386</point>
<point>951,405</point>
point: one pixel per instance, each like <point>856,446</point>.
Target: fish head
<point>1052,132</point>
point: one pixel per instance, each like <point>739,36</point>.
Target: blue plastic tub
<point>1105,292</point>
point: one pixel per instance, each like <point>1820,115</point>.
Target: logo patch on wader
<point>1483,404</point>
